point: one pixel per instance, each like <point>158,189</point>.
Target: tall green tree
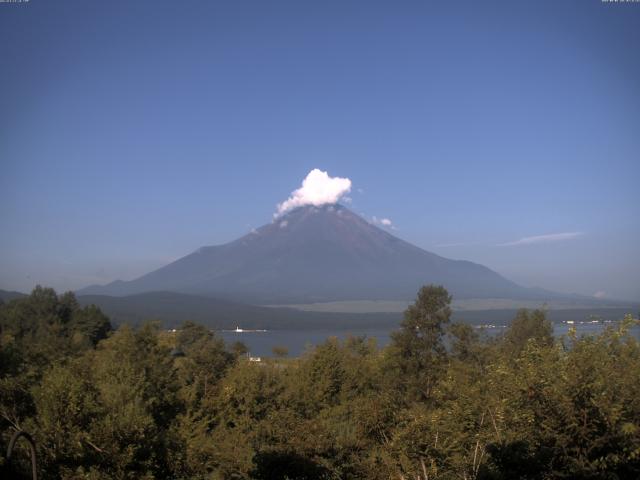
<point>418,354</point>
<point>528,326</point>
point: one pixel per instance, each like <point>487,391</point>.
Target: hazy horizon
<point>133,133</point>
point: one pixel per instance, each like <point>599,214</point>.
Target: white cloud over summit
<point>318,188</point>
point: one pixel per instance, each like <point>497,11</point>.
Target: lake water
<point>261,343</point>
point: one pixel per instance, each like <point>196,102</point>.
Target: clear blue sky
<point>133,132</point>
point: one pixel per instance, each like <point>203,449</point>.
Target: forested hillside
<point>144,403</point>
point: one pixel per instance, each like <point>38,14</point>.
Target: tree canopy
<point>441,401</point>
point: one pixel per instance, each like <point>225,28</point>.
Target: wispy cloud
<point>454,244</point>
<point>385,222</point>
<point>549,238</point>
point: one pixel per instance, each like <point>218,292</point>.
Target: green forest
<point>441,401</point>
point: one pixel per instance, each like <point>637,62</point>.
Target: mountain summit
<point>317,254</point>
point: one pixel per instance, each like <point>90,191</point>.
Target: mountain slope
<point>316,254</point>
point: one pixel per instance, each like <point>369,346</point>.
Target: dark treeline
<point>143,403</point>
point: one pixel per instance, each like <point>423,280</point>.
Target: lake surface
<point>261,343</point>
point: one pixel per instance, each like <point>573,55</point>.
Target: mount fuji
<point>318,254</point>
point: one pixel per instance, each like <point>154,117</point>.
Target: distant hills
<point>6,295</point>
<point>172,309</point>
<point>318,254</point>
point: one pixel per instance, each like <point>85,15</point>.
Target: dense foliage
<point>440,402</point>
